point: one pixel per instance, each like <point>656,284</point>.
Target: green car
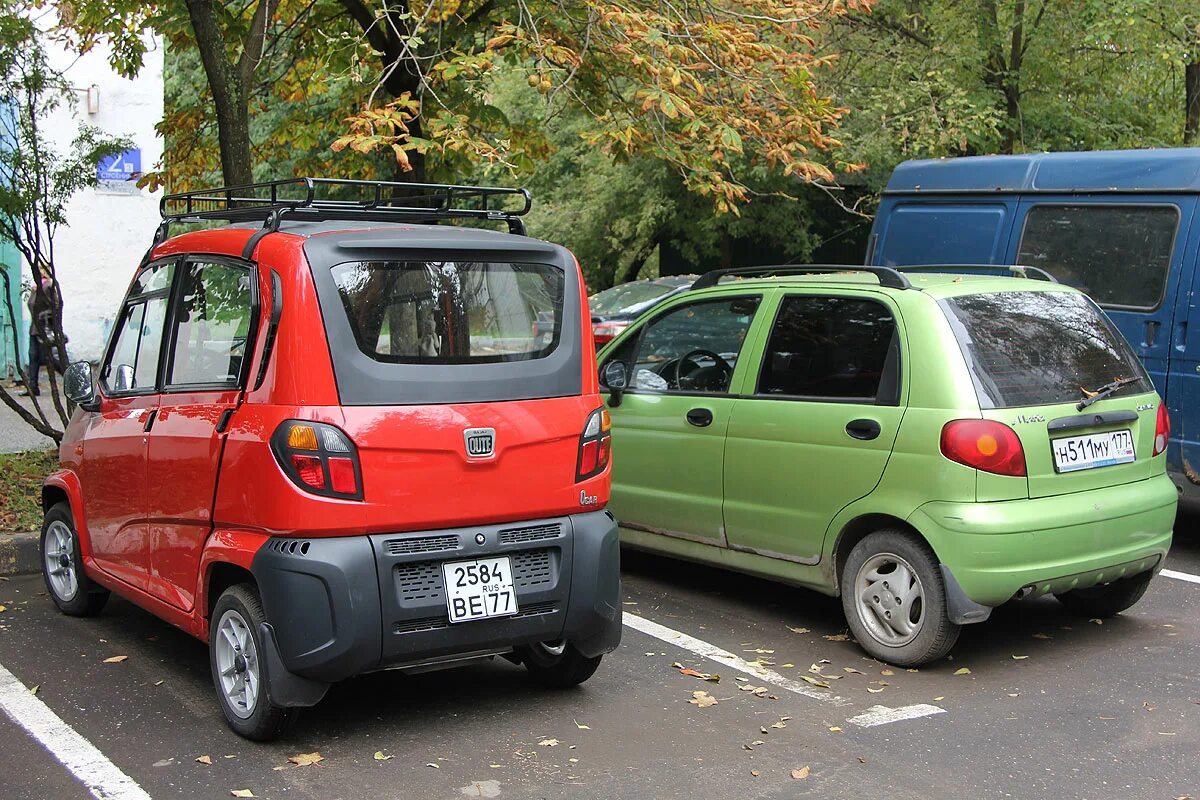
<point>925,445</point>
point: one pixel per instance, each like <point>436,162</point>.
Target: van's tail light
<point>318,458</point>
<point>1162,429</point>
<point>985,445</point>
<point>595,445</point>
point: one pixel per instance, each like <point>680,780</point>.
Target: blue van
<point>1123,226</point>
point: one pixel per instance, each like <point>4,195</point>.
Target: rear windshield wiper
<point>1103,392</point>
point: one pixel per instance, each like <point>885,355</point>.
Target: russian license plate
<point>1074,453</point>
<point>479,589</point>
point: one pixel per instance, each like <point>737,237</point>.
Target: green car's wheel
<point>894,600</point>
<point>1108,599</point>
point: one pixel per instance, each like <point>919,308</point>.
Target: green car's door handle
<point>865,429</point>
<point>700,417</point>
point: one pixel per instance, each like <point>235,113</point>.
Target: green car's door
<point>669,428</point>
<point>815,427</point>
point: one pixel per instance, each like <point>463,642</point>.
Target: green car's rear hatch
<point>1034,356</point>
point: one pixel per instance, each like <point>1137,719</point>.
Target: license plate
<point>479,589</point>
<point>1074,453</point>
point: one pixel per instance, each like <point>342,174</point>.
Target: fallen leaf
<point>1108,718</point>
<point>873,690</point>
<point>741,679</point>
<point>755,773</point>
<point>757,743</point>
<point>548,743</point>
<point>158,683</point>
<point>34,690</point>
<point>1042,636</point>
<point>760,651</point>
<point>910,669</point>
<point>434,765</point>
<point>241,793</point>
<point>692,673</point>
<point>702,699</point>
<point>747,747</point>
<point>851,670</point>
<point>628,603</point>
<point>206,760</point>
<point>862,760</point>
<point>780,724</point>
<point>886,672</point>
<point>837,637</point>
<point>835,729</point>
<point>3,609</point>
<point>786,666</point>
<point>379,756</point>
<point>581,727</point>
<point>814,681</point>
<point>800,774</point>
<point>797,630</point>
<point>306,759</point>
<point>962,671</point>
<point>1014,695</point>
<point>1020,658</point>
<point>496,766</point>
<point>1096,620</point>
<point>942,697</point>
<point>117,660</point>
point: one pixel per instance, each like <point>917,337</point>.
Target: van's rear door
<point>1034,356</point>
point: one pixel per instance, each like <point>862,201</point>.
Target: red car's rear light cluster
<point>605,332</point>
<point>595,445</point>
<point>318,458</point>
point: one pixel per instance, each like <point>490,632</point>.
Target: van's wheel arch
<point>894,599</point>
<point>236,658</point>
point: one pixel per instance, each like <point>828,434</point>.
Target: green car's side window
<point>691,348</point>
<point>836,349</point>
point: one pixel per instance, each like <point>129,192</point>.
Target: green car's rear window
<point>1039,348</point>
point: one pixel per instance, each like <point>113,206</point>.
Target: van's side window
<point>132,367</point>
<point>832,349</point>
<point>693,348</point>
<point>211,325</point>
<point>1120,255</point>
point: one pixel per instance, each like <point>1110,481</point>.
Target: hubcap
<point>237,663</point>
<point>890,599</point>
<point>60,561</point>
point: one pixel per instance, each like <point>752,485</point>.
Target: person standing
<point>44,304</point>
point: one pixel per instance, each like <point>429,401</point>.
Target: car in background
<point>927,446</point>
<point>614,309</point>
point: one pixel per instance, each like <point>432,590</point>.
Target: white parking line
<point>1180,576</point>
<point>725,658</point>
<point>91,767</point>
<point>882,715</point>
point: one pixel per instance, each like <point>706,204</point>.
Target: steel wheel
<point>59,555</point>
<point>890,599</point>
<point>237,663</point>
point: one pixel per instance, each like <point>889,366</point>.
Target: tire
<point>907,628</point>
<point>558,665</point>
<point>239,677</point>
<point>1108,599</point>
<point>62,566</point>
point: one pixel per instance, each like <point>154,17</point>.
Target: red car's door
<point>211,341</point>
<point>113,469</point>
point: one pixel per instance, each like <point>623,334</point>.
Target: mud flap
<point>961,609</point>
<point>286,689</point>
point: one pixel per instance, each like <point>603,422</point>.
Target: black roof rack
<point>1019,270</point>
<point>308,199</point>
<point>887,276</point>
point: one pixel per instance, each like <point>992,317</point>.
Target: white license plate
<point>479,589</point>
<point>1074,453</point>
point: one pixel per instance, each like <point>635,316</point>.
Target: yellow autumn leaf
<point>241,793</point>
<point>962,671</point>
<point>802,773</point>
<point>115,659</point>
<point>306,759</point>
<point>379,756</point>
<point>206,760</point>
<point>702,700</point>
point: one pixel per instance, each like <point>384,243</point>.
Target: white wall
<point>107,232</point>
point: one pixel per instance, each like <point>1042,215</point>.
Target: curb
<point>19,553</point>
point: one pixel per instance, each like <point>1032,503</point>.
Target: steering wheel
<point>718,364</point>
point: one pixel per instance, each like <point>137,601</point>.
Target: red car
<point>324,440</point>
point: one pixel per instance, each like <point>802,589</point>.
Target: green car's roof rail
<point>1020,270</point>
<point>888,276</point>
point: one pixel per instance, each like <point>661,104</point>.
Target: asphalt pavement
<point>1050,706</point>
<point>16,436</point>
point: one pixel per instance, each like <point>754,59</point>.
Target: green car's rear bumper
<point>1051,544</point>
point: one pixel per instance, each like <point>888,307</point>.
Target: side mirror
<point>123,380</point>
<point>79,387</point>
<point>615,377</point>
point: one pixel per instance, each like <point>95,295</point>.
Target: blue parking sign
<point>123,166</point>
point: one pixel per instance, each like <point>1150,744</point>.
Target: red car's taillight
<point>1162,429</point>
<point>595,445</point>
<point>985,445</point>
<point>318,458</point>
